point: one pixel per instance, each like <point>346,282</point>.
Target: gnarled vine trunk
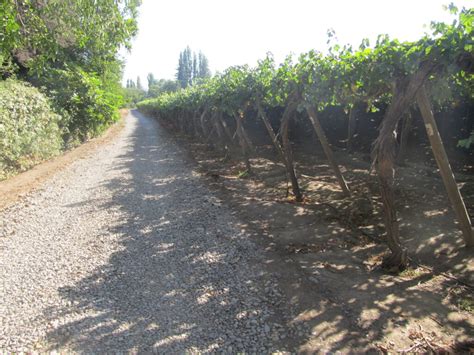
<point>351,128</point>
<point>404,134</point>
<point>242,141</point>
<point>289,164</point>
<point>219,130</point>
<point>226,128</point>
<point>201,120</point>
<point>384,153</point>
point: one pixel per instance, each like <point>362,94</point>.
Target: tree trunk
<point>195,129</point>
<point>285,120</point>
<point>248,141</point>
<point>405,133</point>
<point>242,142</point>
<point>327,149</point>
<point>220,133</point>
<point>444,167</point>
<point>386,146</point>
<point>351,127</point>
<point>384,152</point>
<point>201,120</point>
<point>226,128</point>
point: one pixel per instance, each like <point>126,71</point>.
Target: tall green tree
<point>139,83</point>
<point>204,71</point>
<point>151,80</point>
<point>191,67</point>
<point>180,71</point>
<point>195,66</point>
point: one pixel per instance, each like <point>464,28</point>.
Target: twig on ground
<point>433,349</point>
<point>411,348</point>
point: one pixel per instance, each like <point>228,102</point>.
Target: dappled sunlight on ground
<point>347,301</point>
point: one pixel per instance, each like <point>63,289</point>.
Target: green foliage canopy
<point>69,49</point>
<point>343,78</point>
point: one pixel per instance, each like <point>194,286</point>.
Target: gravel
<point>128,250</point>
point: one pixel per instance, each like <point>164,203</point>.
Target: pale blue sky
<point>234,32</point>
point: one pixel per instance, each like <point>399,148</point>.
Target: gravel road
<point>128,250</point>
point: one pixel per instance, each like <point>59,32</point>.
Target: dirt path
<point>128,250</point>
<point>132,249</point>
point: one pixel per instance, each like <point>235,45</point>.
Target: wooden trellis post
<point>444,167</point>
<point>270,131</point>
<point>327,149</point>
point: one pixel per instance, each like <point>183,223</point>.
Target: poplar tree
<point>195,67</point>
<point>203,71</point>
<point>191,67</point>
<point>139,83</point>
<point>151,80</point>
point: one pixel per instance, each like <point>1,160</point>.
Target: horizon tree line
<point>191,68</point>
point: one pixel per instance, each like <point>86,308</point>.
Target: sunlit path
<point>126,251</point>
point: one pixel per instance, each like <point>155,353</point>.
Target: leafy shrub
<point>80,97</point>
<point>29,128</point>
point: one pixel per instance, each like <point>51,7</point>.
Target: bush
<point>87,106</point>
<point>29,128</point>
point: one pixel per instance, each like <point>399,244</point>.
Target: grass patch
<point>243,174</point>
<point>466,304</point>
<point>411,273</point>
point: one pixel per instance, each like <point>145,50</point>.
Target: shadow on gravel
<point>346,303</point>
<point>177,283</point>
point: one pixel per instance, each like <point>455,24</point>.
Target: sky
<point>237,32</point>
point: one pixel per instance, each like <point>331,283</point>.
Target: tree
<point>130,84</point>
<point>139,83</point>
<point>41,33</point>
<point>195,66</point>
<point>203,71</point>
<point>191,68</point>
<point>185,68</point>
<point>161,86</point>
<point>151,80</point>
<point>180,71</point>
<point>69,49</point>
